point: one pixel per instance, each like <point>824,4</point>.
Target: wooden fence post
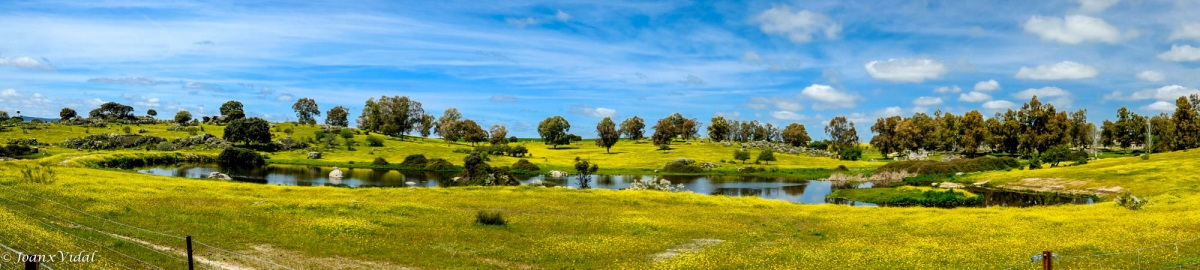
<point>191,264</point>
<point>1047,260</point>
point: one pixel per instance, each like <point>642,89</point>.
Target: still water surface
<point>779,188</point>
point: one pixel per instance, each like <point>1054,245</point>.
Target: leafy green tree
<point>742,155</point>
<point>68,113</point>
<point>182,117</point>
<point>885,134</point>
<point>718,130</point>
<point>926,126</point>
<point>841,134</point>
<point>796,135</point>
<point>235,115</point>
<point>113,110</point>
<point>1079,136</point>
<point>230,106</point>
<point>663,132</point>
<point>305,109</point>
<point>472,132</point>
<point>585,169</point>
<point>1187,124</point>
<point>949,132</point>
<point>1057,154</point>
<point>498,134</point>
<point>1108,132</point>
<point>371,118</point>
<point>337,117</point>
<point>1037,133</point>
<point>426,125</point>
<point>633,128</point>
<point>248,130</point>
<point>554,130</point>
<point>1129,129</point>
<point>1166,137</point>
<point>607,135</point>
<point>152,113</point>
<point>448,125</point>
<point>690,129</point>
<point>766,156</point>
<point>975,132</point>
<point>907,135</point>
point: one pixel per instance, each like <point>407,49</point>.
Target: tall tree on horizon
<point>796,135</point>
<point>842,134</point>
<point>337,117</point>
<point>633,128</point>
<point>718,129</point>
<point>448,125</point>
<point>554,130</point>
<point>1187,124</point>
<point>305,109</point>
<point>974,132</point>
<point>606,134</point>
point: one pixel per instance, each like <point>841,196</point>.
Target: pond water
<point>779,188</point>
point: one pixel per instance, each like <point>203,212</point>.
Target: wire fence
<point>116,244</point>
<point>1183,254</point>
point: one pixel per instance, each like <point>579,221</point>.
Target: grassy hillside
<point>562,228</point>
<point>1176,173</point>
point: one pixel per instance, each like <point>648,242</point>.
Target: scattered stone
<point>558,174</point>
<point>314,155</point>
<point>980,184</point>
<point>950,185</point>
<point>696,245</point>
<point>220,176</point>
<point>958,173</point>
<point>411,183</point>
<point>335,174</point>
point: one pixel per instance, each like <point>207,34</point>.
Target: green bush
<point>240,157</point>
<point>382,162</point>
<point>682,166</point>
<point>438,164</point>
<point>954,166</point>
<point>525,165</point>
<point>414,161</point>
<point>852,154</point>
<point>841,168</point>
<point>126,129</point>
<point>166,146</point>
<point>374,141</point>
<point>819,145</point>
<point>518,151</point>
<point>1131,202</point>
<point>38,174</point>
<point>1035,164</point>
<point>490,218</point>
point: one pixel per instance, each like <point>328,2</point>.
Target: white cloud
<point>947,89</point>
<point>890,111</point>
<point>590,111</point>
<point>832,97</point>
<point>1183,53</point>
<point>1151,76</point>
<point>1186,31</point>
<point>927,101</point>
<point>788,105</point>
<point>200,85</point>
<point>906,70</point>
<point>974,97</point>
<point>129,80</point>
<point>1072,29</point>
<point>9,93</point>
<point>562,16</point>
<point>1095,6</point>
<point>1059,71</point>
<point>503,98</point>
<point>998,105</point>
<point>799,27</point>
<point>988,85</point>
<point>1053,95</point>
<point>729,114</point>
<point>1048,91</point>
<point>1160,106</point>
<point>26,63</point>
<point>522,23</point>
<point>787,115</point>
<point>1165,93</point>
<point>284,97</point>
<point>752,57</point>
<point>95,102</point>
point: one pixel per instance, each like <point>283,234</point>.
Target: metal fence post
<point>191,265</point>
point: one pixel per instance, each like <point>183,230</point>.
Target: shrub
<point>240,157</point>
<point>664,147</point>
<point>954,166</point>
<point>512,139</point>
<point>853,153</point>
<point>750,169</point>
<point>742,155</point>
<point>819,145</point>
<point>1131,202</point>
<point>1035,164</point>
<point>765,156</point>
<point>518,151</point>
<point>438,164</point>
<point>490,218</point>
<point>382,162</point>
<point>142,130</point>
<point>126,129</point>
<point>682,166</point>
<point>374,141</point>
<point>525,165</point>
<point>414,161</point>
<point>165,146</point>
<point>13,150</point>
<point>841,168</point>
<point>462,150</point>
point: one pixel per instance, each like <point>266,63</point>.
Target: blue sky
<point>517,62</point>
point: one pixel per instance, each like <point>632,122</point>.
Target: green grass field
<point>420,228</point>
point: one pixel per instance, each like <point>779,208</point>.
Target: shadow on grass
<point>563,148</point>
